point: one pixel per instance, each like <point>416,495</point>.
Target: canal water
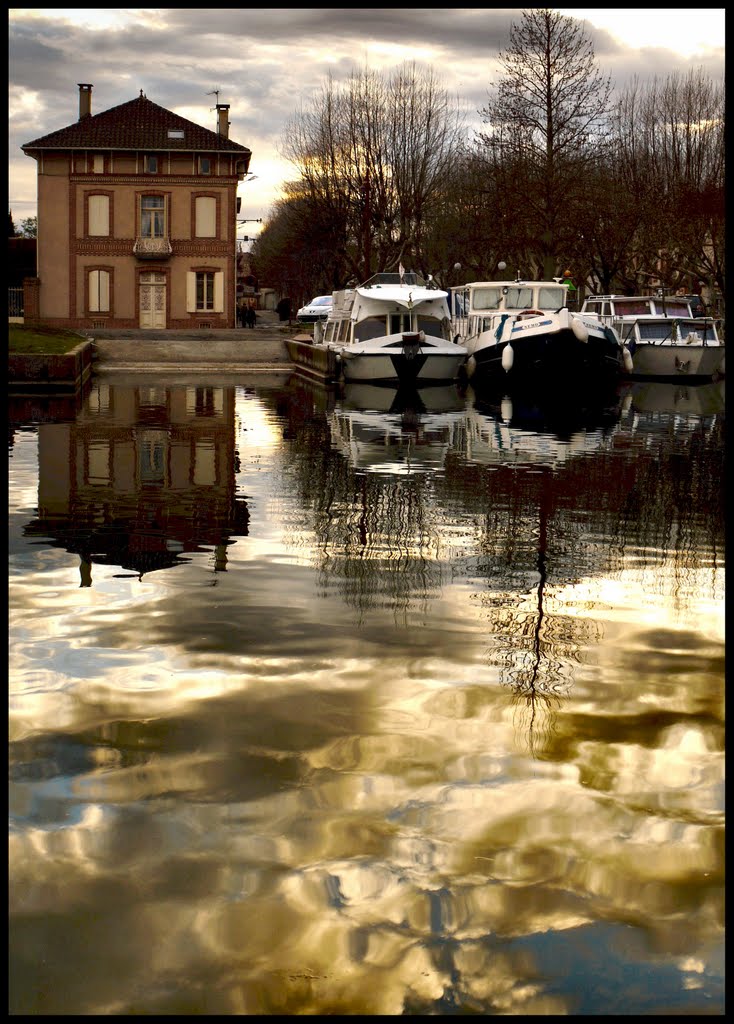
<point>366,703</point>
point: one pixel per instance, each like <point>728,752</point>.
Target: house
<point>137,224</point>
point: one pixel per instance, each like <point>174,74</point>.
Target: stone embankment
<point>259,348</point>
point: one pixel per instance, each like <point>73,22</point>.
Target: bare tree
<point>379,152</point>
<point>544,116</point>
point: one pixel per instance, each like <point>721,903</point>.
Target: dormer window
<point>175,133</point>
<point>205,165</point>
<point>151,165</point>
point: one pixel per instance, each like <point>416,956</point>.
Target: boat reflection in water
<point>658,398</point>
<point>530,454</point>
<point>142,476</point>
<point>396,429</point>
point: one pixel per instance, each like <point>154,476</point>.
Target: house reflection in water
<point>143,476</point>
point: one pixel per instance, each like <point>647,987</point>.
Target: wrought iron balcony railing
<point>152,248</point>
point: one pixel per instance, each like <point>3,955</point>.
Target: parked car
<point>317,309</point>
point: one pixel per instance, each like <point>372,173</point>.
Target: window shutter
<point>219,292</point>
<point>104,291</point>
<point>206,217</point>
<point>190,291</point>
<point>99,291</point>
<point>99,215</point>
<point>94,291</point>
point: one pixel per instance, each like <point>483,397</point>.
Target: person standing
<point>250,316</point>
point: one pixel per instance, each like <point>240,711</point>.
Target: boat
<point>524,329</point>
<point>662,338</point>
<point>394,328</point>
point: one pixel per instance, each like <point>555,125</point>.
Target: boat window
<point>518,298</point>
<point>486,298</point>
<point>372,327</point>
<point>344,327</point>
<point>656,331</point>
<point>632,307</point>
<point>673,308</point>
<point>551,298</point>
<point>429,324</point>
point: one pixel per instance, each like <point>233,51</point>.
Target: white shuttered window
<point>99,215</point>
<point>205,291</point>
<point>206,217</point>
<point>99,291</point>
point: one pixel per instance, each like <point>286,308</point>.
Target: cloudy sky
<point>267,63</point>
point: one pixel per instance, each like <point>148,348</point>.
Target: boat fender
<point>508,358</point>
<point>580,329</point>
<point>627,359</point>
<point>471,365</point>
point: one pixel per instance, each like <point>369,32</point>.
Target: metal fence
<point>15,302</point>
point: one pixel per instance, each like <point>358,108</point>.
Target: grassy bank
<point>25,339</point>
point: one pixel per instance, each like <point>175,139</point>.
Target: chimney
<point>223,126</point>
<point>85,100</point>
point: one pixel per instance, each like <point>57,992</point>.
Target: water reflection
<point>447,737</point>
<point>142,476</point>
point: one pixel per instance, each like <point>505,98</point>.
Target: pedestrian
<point>241,317</point>
<point>250,316</point>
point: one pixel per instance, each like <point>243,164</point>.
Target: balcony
<point>152,248</point>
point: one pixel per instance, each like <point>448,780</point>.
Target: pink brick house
<point>137,212</point>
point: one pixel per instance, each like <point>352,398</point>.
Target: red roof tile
<point>138,124</point>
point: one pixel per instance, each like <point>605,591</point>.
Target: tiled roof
<point>138,124</point>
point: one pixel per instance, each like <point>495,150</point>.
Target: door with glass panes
<point>152,300</point>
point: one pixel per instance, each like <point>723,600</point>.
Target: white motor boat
<point>394,328</point>
<point>661,337</point>
<point>524,330</point>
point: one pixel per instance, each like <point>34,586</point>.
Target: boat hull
<point>545,355</point>
<point>395,365</point>
<point>676,362</point>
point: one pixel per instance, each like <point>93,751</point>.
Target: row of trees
<point>626,191</point>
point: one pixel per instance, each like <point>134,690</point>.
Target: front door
<point>153,300</point>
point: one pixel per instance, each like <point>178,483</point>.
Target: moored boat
<point>394,328</point>
<point>524,330</point>
<point>661,337</point>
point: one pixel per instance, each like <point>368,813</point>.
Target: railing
<point>15,302</point>
<point>152,248</point>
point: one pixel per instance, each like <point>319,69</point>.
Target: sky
<point>267,64</point>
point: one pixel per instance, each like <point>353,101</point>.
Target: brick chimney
<point>85,100</point>
<point>223,113</point>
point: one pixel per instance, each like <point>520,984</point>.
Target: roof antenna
<point>215,92</point>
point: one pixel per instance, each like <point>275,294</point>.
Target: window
<point>99,291</point>
<point>205,165</point>
<point>98,163</point>
<point>205,291</point>
<point>151,165</point>
<point>206,217</point>
<point>175,133</point>
<point>551,298</point>
<point>152,217</point>
<point>99,215</point>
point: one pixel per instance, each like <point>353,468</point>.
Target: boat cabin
<point>636,305</point>
<point>474,307</point>
<point>381,307</point>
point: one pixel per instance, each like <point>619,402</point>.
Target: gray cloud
<point>266,63</point>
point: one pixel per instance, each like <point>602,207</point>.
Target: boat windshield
<point>551,298</point>
<point>486,298</point>
<point>372,327</point>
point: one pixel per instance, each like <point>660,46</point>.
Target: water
<point>333,704</point>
